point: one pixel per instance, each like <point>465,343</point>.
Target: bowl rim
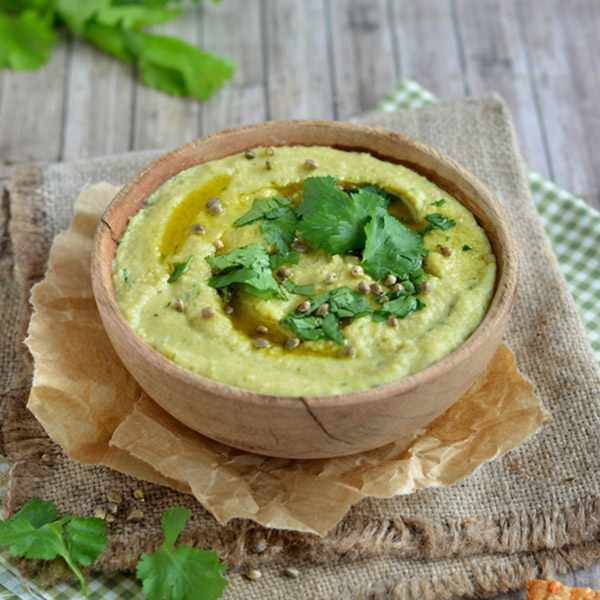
<point>501,303</point>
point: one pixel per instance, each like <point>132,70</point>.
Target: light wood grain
<point>363,62</point>
<point>160,120</point>
<point>495,60</point>
<point>31,110</point>
<point>98,104</point>
<point>235,30</point>
<point>428,46</point>
<point>568,91</point>
<point>299,79</point>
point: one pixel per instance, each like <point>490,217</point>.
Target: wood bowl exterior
<point>321,426</point>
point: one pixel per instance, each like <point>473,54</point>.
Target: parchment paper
<point>90,405</point>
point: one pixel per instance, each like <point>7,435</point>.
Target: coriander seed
<point>398,287</point>
<point>330,277</point>
<point>268,165</point>
<point>253,574</point>
<point>213,200</point>
<point>249,154</point>
<point>219,244</point>
<point>304,307</point>
<point>291,572</point>
<point>357,271</point>
<point>363,287</point>
<point>284,272</point>
<point>377,289</point>
<point>309,163</point>
<point>269,151</point>
<point>215,208</point>
<point>293,343</point>
<point>298,246</point>
<point>390,280</point>
<point>323,309</point>
<point>179,305</point>
<point>426,286</point>
<point>198,229</point>
<point>262,329</point>
<point>208,312</point>
<point>445,251</point>
<point>347,351</point>
<point>261,343</point>
<point>393,322</point>
<point>228,310</point>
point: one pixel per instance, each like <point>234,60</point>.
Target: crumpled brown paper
<point>90,405</point>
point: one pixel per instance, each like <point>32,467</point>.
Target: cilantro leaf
<point>332,219</point>
<point>439,202</point>
<point>270,208</point>
<point>37,532</point>
<point>182,573</point>
<point>302,290</point>
<point>466,248</point>
<point>280,231</point>
<point>343,303</point>
<point>249,265</point>
<point>176,67</point>
<point>131,16</point>
<point>400,305</point>
<point>25,40</point>
<point>292,257</point>
<point>392,248</point>
<point>179,269</point>
<point>76,14</point>
<point>437,221</point>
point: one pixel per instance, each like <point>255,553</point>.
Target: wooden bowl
<point>321,426</point>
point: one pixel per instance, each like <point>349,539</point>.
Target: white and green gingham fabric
<point>574,231</point>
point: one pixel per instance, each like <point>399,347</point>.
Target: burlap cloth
<point>533,512</point>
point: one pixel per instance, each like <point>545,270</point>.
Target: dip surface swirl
<point>239,340</point>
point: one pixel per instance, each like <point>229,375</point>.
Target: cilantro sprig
<point>37,532</point>
<point>27,34</point>
<point>183,573</point>
<point>342,303</point>
<point>249,265</point>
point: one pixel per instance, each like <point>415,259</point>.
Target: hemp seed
<point>198,229</point>
<point>136,515</point>
<point>291,572</point>
<point>114,497</point>
<point>261,343</point>
<point>259,546</point>
<point>293,343</point>
<point>304,307</point>
<point>215,208</point>
<point>139,495</point>
<point>309,163</point>
<point>253,574</point>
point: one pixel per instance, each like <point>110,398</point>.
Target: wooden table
<point>331,59</point>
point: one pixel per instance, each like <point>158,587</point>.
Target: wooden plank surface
<point>332,59</point>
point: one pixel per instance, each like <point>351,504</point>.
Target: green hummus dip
<point>392,273</point>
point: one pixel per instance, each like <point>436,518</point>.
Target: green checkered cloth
<point>574,231</point>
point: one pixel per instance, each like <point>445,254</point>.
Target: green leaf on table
<point>25,40</point>
<point>392,248</point>
<point>179,268</point>
<point>37,532</point>
<point>132,16</point>
<point>76,13</point>
<point>176,67</point>
<point>249,265</point>
<point>183,573</point>
<point>332,219</point>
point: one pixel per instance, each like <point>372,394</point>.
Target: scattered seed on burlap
<point>100,514</point>
<point>253,574</point>
<point>139,495</point>
<point>135,515</point>
<point>46,457</point>
<point>114,497</point>
<point>259,546</point>
<point>291,572</point>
